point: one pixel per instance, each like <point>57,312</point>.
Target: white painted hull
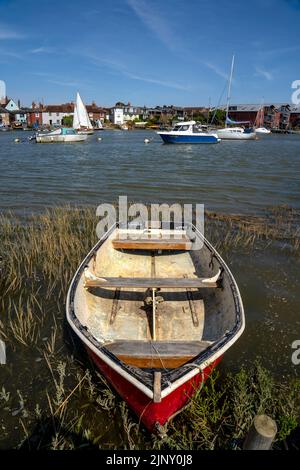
<point>85,131</point>
<point>50,139</point>
<point>235,134</point>
<point>262,130</point>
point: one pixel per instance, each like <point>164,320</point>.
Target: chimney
<point>19,104</point>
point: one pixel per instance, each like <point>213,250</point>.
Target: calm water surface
<point>230,176</point>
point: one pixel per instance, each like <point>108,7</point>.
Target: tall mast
<point>229,90</point>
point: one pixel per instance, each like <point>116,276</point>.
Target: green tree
<point>67,121</point>
<point>219,117</point>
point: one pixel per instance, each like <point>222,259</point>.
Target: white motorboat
<point>262,130</point>
<point>236,133</point>
<point>63,135</point>
<point>188,132</point>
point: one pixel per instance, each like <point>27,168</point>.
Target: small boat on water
<point>234,133</point>
<point>63,134</point>
<point>259,122</point>
<point>81,120</point>
<point>155,315</point>
<point>99,126</point>
<point>188,132</point>
<point>262,130</point>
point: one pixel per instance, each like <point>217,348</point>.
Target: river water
<point>241,176</point>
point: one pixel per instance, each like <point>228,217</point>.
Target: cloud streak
<point>41,50</point>
<point>118,67</point>
<point>216,70</point>
<point>263,73</point>
<point>169,84</point>
<point>154,23</point>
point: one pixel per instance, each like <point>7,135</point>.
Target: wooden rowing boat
<point>155,315</point>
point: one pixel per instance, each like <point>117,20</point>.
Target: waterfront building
<point>131,113</point>
<point>4,117</point>
<point>52,115</point>
<point>295,116</point>
<point>117,115</point>
<point>96,113</point>
<point>165,113</point>
<point>17,114</point>
<point>275,116</point>
<point>190,112</point>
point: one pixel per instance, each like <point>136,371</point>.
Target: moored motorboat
<point>188,132</point>
<point>155,315</point>
<point>262,130</point>
<point>63,135</point>
<point>236,133</point>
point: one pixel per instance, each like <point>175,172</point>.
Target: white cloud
<point>154,22</point>
<point>118,67</point>
<point>168,84</point>
<point>41,50</point>
<point>216,70</point>
<point>263,73</point>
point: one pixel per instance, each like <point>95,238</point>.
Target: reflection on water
<point>230,176</point>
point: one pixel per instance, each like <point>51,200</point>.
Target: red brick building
<point>273,116</point>
<point>295,116</point>
<point>34,116</point>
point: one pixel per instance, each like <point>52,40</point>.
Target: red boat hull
<point>151,414</point>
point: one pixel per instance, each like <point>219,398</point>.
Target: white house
<point>117,116</point>
<point>13,108</point>
<point>53,115</point>
<point>131,113</point>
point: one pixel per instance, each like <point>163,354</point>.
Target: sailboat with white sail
<point>259,122</point>
<point>81,120</point>
<point>234,133</point>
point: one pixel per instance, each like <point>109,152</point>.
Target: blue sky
<point>149,52</point>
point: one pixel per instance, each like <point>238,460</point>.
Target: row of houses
<point>275,116</point>
<point>38,115</point>
<point>281,116</point>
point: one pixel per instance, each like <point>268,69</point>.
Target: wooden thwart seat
<point>157,354</point>
<point>151,283</point>
<point>180,243</point>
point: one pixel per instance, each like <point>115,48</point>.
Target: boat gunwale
<point>141,378</point>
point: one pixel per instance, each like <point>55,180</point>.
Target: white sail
<point>81,117</point>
